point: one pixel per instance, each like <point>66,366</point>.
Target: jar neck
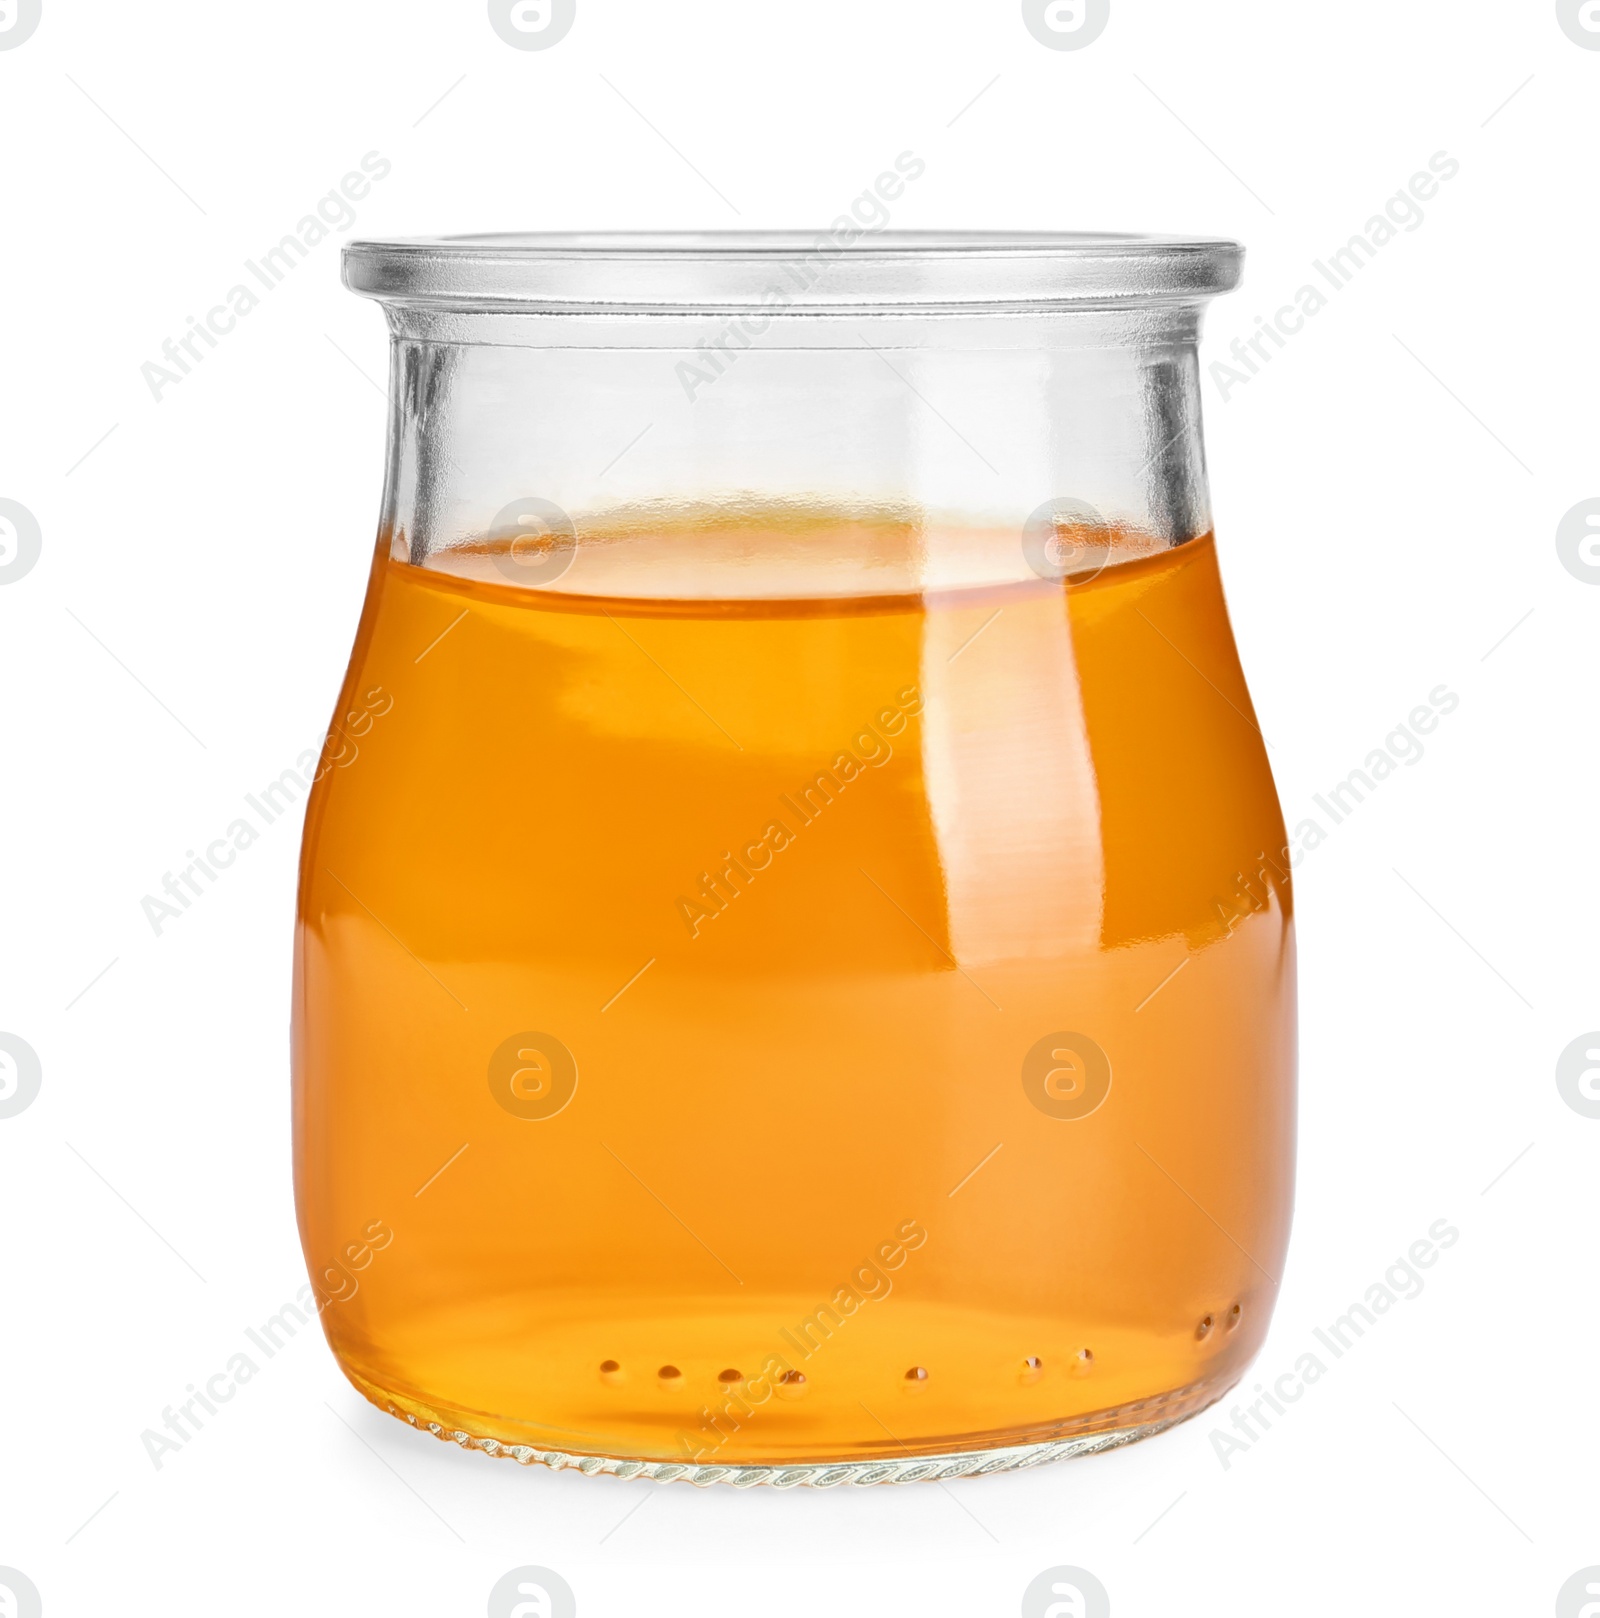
<point>950,426</point>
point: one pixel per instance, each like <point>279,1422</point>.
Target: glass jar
<point>795,971</point>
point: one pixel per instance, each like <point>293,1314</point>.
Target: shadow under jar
<point>795,974</point>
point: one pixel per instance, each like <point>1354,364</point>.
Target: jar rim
<point>790,272</point>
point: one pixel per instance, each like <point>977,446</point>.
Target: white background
<point>1387,493</point>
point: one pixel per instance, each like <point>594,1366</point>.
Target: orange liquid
<point>840,1176</point>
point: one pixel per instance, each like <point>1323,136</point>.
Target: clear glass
<point>795,965</point>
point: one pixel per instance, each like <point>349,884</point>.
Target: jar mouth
<point>778,273</point>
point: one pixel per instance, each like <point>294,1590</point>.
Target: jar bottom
<point>968,1455</point>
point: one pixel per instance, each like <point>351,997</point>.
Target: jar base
<point>1105,1430</point>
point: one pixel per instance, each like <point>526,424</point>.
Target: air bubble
<point>1083,1362</point>
<point>730,1375</point>
<point>917,1375</point>
<point>1234,1315</point>
<point>1203,1330</point>
<point>670,1375</point>
<point>791,1385</point>
<point>610,1371</point>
